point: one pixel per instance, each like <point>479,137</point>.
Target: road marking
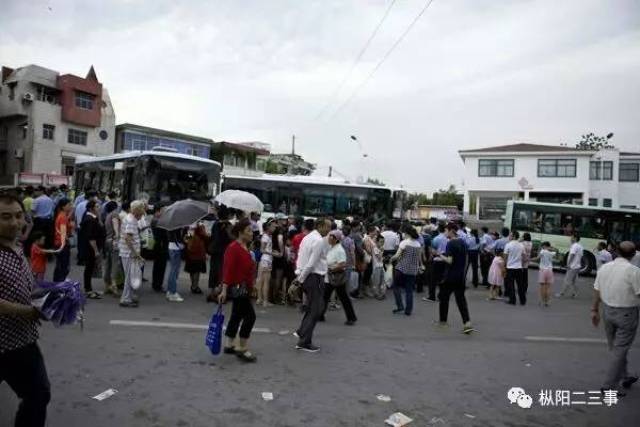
<point>567,339</point>
<point>172,325</point>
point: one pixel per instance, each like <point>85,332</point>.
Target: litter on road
<point>267,395</point>
<point>105,394</point>
<point>383,398</point>
<point>469,416</point>
<point>398,420</point>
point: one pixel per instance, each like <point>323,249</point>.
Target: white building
<point>545,173</point>
<point>47,119</point>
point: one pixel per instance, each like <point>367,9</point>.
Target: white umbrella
<point>241,200</point>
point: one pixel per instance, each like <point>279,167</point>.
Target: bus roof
<point>319,180</point>
<point>565,206</point>
<point>134,154</point>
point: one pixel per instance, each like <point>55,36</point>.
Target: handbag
<point>337,278</point>
<point>213,340</point>
<point>135,272</point>
<point>238,291</point>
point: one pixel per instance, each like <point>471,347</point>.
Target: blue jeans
<point>407,282</point>
<point>175,258</point>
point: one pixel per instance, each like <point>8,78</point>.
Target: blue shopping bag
<point>214,334</point>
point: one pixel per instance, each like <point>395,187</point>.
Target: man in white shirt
<point>617,285</point>
<point>391,241</point>
<point>513,259</point>
<point>311,267</point>
<point>574,264</point>
<point>603,256</point>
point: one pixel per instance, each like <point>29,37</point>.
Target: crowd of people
<point>319,264</point>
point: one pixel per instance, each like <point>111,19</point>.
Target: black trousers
<point>313,287</point>
<point>341,291</point>
<point>215,270</point>
<point>159,268</point>
<point>24,371</point>
<point>241,312</point>
<point>63,260</point>
<point>89,266</point>
<point>457,289</point>
<point>485,263</point>
<point>438,269</point>
<point>515,275</point>
<point>473,265</point>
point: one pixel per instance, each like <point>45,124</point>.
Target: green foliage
<point>375,181</point>
<point>448,197</point>
<point>592,142</point>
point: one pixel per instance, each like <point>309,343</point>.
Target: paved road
<point>166,377</point>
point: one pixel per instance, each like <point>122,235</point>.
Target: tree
<point>592,142</point>
<point>375,181</point>
<point>448,197</point>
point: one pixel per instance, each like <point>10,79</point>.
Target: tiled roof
<point>521,148</point>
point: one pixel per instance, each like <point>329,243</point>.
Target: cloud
<point>469,74</point>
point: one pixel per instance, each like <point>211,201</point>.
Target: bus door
<point>289,200</point>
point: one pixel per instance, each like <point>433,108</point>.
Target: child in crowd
<point>377,275</point>
<point>497,273</point>
<point>39,255</point>
<point>545,271</point>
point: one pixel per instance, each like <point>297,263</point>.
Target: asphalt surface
<point>165,376</point>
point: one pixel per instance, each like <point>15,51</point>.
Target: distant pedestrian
<point>220,238</point>
<point>160,251</point>
<point>21,363</point>
<point>42,215</point>
<point>408,261</point>
<point>473,250</point>
<point>237,281</point>
<point>377,276</point>
<point>263,282</point>
<point>111,258</point>
<point>439,266</point>
<point>92,245</point>
<point>63,229</point>
<point>336,279</point>
<point>486,255</point>
<point>195,259</point>
<point>603,256</point>
<point>39,256</point>
<point>455,256</point>
<point>310,270</point>
<point>574,265</point>
<point>513,254</point>
<point>545,271</point>
<point>176,246</point>
<point>617,285</point>
<point>129,249</point>
<point>497,273</point>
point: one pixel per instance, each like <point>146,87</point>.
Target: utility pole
<point>293,145</point>
<point>330,171</point>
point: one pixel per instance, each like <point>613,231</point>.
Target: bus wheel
<point>588,263</point>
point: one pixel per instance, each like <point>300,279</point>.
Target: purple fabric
<point>64,301</point>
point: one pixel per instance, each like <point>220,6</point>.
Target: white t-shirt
<point>603,257</point>
<point>619,283</point>
<point>514,250</point>
<point>377,258</point>
<point>546,259</point>
<point>391,240</point>
<point>576,249</point>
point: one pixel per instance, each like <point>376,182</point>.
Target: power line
<point>356,62</point>
<point>384,58</point>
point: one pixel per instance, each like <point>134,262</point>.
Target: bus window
<point>591,227</point>
<point>634,232</point>
<point>616,231</point>
<point>522,219</point>
<point>106,181</point>
<point>118,182</point>
<point>317,203</point>
<point>551,223</point>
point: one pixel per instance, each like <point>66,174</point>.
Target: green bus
<point>556,222</point>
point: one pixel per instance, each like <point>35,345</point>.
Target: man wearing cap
<point>336,278</point>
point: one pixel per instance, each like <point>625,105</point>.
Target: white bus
<point>556,222</point>
<point>313,196</point>
<point>155,176</point>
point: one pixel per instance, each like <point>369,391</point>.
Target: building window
<point>629,172</point>
<point>84,100</point>
<point>4,133</point>
<point>77,137</point>
<point>593,202</point>
<point>595,170</point>
<point>22,130</point>
<point>47,131</point>
<point>606,203</point>
<point>607,171</point>
<point>557,168</point>
<point>491,167</point>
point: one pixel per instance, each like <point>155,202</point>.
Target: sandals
<point>229,350</point>
<point>246,356</point>
<point>93,295</point>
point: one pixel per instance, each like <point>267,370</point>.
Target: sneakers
<point>295,334</point>
<point>309,348</point>
<point>128,304</point>
<point>442,325</point>
<point>467,328</point>
<point>174,297</point>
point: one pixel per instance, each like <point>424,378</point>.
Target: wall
<point>69,84</point>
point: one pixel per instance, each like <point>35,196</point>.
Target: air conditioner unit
<point>28,97</point>
<point>18,153</point>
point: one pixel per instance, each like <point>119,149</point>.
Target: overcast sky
<point>471,73</point>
